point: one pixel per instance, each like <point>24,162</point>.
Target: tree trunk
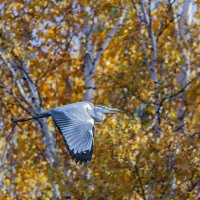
<point>184,70</point>
<point>90,61</point>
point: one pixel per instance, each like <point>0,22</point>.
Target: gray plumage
<point>76,124</point>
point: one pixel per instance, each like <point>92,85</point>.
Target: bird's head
<point>106,110</point>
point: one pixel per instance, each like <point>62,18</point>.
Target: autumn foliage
<point>140,56</point>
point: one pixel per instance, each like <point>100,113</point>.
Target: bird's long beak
<point>112,111</point>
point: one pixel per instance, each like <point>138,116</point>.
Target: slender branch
<point>19,85</point>
<point>151,63</point>
<point>140,181</point>
<point>45,73</point>
<point>178,92</point>
<point>12,188</point>
<point>109,37</point>
<point>169,97</point>
<point>19,100</point>
<point>32,86</point>
<point>22,92</point>
<point>144,50</point>
<point>152,66</point>
<point>90,32</point>
<point>163,28</point>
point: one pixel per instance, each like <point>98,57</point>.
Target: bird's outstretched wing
<point>77,129</point>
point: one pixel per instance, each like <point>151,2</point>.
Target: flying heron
<point>76,124</point>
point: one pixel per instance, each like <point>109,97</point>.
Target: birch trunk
<point>31,98</point>
<point>144,16</point>
<point>184,70</point>
<point>35,103</point>
<point>42,125</point>
<point>90,61</point>
<point>182,80</point>
<point>152,61</point>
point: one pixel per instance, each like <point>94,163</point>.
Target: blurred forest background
<point>141,56</point>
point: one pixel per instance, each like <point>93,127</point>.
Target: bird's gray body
<point>76,124</point>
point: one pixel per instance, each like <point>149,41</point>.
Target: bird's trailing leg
<point>40,115</point>
<point>27,119</point>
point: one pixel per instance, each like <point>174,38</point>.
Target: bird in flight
<point>76,124</point>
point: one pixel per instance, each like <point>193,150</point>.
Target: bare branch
<point>135,168</point>
<point>109,37</point>
<point>178,92</point>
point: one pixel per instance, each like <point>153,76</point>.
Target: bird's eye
<point>87,109</point>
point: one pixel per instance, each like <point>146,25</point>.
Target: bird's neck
<point>98,116</point>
